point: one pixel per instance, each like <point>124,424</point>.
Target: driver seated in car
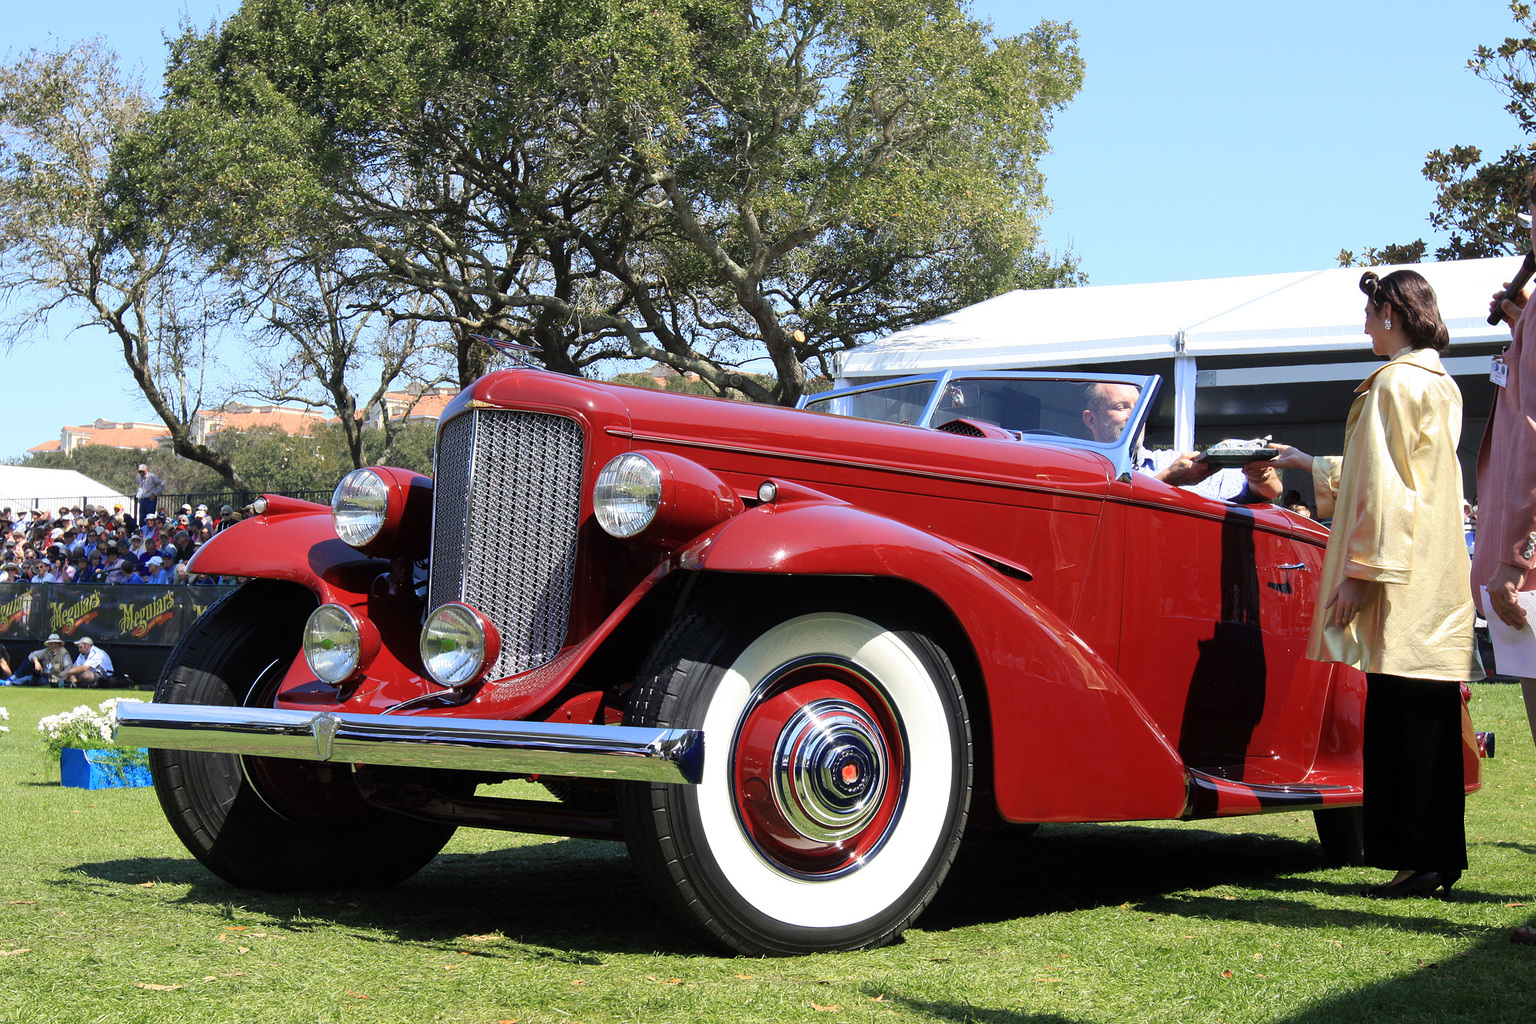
<point>1107,408</point>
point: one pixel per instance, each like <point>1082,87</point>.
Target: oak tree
<point>693,182</point>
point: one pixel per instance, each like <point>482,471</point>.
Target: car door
<point>1217,600</point>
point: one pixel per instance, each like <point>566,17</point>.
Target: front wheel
<point>271,823</point>
<point>837,778</point>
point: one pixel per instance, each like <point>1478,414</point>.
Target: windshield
<point>1089,410</point>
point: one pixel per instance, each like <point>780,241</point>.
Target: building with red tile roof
<point>142,436</point>
<point>414,404</point>
<point>428,407</point>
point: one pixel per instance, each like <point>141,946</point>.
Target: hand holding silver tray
<point>1232,452</point>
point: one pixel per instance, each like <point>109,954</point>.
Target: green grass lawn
<point>105,917</point>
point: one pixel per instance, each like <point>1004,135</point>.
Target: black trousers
<point>1415,796</point>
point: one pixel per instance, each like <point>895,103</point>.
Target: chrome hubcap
<point>830,770</point>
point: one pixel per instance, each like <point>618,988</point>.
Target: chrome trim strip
<point>847,463</point>
<point>420,741</point>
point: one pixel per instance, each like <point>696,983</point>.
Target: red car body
<point>1119,650</point>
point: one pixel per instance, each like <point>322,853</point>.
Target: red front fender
<point>1059,714</point>
<point>293,541</point>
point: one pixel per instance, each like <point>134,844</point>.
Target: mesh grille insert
<point>507,507</point>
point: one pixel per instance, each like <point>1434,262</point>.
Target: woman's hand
<point>1348,599</point>
<point>1290,458</point>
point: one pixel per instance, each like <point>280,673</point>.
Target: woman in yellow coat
<point>1394,595</point>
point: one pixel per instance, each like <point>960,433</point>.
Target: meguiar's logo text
<point>68,619</point>
<point>12,612</point>
<point>139,619</point>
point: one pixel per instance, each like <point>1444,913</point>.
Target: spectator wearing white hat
<point>91,668</point>
<point>155,571</point>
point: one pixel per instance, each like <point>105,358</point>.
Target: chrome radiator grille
<point>507,503</point>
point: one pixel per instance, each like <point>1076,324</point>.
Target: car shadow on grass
<point>562,894</point>
<point>559,894</point>
<point>1076,867</point>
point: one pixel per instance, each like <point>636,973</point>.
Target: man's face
<point>1109,408</point>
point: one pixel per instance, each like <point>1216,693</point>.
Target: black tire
<point>271,823</point>
<point>875,813</point>
<point>1341,830</point>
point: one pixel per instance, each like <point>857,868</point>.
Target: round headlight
<point>458,644</point>
<point>627,494</point>
<point>359,506</point>
<point>332,643</point>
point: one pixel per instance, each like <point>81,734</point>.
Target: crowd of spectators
<point>106,545</point>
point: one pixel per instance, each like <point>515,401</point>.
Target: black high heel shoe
<point>1420,883</point>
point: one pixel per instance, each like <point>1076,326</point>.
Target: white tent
<point>23,487</point>
<point>1300,324</point>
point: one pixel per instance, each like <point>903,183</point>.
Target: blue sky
<point>1210,140</point>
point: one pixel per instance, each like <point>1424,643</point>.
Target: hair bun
<point>1369,282</point>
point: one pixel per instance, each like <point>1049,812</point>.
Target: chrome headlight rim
<point>360,507</point>
<point>458,645</point>
<point>333,643</point>
<point>627,495</point>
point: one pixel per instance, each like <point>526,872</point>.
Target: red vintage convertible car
<point>786,655</point>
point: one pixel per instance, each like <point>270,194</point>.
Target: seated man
<point>91,668</point>
<point>1108,408</point>
<point>44,666</point>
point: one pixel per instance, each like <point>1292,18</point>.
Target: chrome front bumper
<point>418,741</point>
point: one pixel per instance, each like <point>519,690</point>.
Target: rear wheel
<point>837,776</point>
<point>271,823</point>
<point>1341,830</point>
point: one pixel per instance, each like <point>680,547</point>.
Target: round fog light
<point>458,644</point>
<point>332,643</point>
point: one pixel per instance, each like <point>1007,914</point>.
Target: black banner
<point>123,614</point>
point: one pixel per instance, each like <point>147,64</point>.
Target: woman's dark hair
<point>1414,307</point>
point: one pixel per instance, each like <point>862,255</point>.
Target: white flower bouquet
<point>89,729</point>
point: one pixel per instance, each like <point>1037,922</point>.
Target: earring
<point>1389,323</point>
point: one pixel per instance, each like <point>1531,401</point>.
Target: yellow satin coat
<point>1395,497</point>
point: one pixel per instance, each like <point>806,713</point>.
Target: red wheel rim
<point>818,769</point>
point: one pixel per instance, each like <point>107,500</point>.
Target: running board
<point>1211,796</point>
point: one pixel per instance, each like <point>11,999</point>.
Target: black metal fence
<point>171,504</point>
<point>166,504</point>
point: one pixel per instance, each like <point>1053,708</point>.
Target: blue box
<point>97,769</point>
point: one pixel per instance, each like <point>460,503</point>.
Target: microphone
<point>1521,276</point>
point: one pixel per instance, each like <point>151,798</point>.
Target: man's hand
<point>1263,479</point>
<point>1509,305</point>
<point>1502,588</point>
<point>1348,598</point>
<point>1187,469</point>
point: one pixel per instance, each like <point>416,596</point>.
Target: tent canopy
<point>1272,349</point>
<point>1269,314</point>
<point>23,487</point>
